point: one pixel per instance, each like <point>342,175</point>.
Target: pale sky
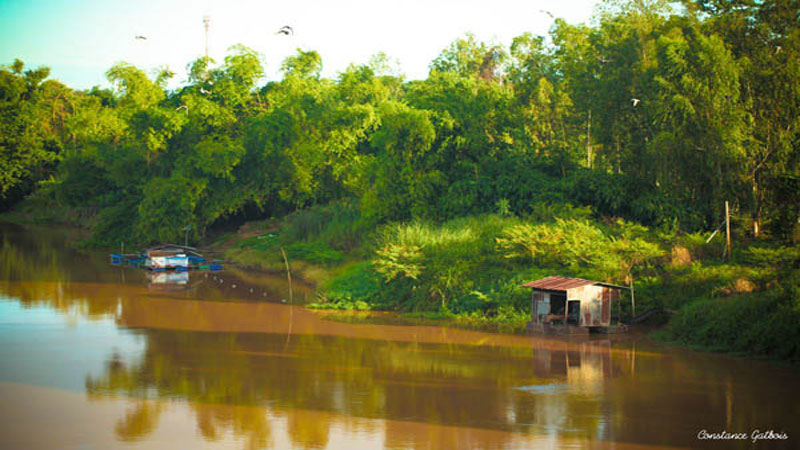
<point>80,40</point>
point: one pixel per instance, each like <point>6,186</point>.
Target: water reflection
<point>452,386</point>
<point>168,280</point>
<point>268,374</point>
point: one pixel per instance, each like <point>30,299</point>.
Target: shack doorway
<point>558,304</point>
<point>574,312</point>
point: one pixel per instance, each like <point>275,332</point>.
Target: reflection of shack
<point>585,366</point>
<point>168,281</point>
<point>563,305</point>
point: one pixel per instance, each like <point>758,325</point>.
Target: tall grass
<point>338,224</point>
<point>449,267</point>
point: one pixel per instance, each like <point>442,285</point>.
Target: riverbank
<point>468,272</point>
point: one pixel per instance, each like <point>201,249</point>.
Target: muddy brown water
<point>97,356</point>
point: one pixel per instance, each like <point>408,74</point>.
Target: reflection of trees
<point>21,259</point>
<point>444,396</point>
<point>247,421</point>
<point>90,301</point>
<point>451,385</point>
<point>308,429</point>
<point>43,254</point>
<point>139,421</point>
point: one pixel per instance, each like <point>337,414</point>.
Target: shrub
<point>358,283</point>
<point>762,324</point>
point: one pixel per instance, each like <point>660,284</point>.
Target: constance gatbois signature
<point>753,436</point>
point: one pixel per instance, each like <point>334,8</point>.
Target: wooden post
<point>291,300</point>
<point>288,275</point>
<point>728,231</point>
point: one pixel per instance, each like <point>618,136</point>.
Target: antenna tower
<point>206,20</point>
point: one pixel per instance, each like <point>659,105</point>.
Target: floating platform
<point>166,257</point>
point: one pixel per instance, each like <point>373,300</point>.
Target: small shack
<point>563,305</point>
<point>171,256</point>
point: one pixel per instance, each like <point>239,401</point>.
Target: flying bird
<point>285,30</point>
<point>548,13</point>
<point>187,110</point>
<point>635,101</point>
<point>203,91</point>
<point>140,37</point>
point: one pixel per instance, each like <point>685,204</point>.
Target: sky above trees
<point>80,40</point>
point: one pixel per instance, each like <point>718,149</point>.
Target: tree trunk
<point>756,209</point>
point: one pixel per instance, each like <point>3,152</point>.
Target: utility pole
<point>728,230</point>
<point>206,20</point>
<point>589,141</point>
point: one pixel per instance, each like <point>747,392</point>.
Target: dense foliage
<point>654,113</point>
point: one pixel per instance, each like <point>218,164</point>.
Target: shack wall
<point>540,305</point>
<point>591,301</point>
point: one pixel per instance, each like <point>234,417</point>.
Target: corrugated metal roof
<point>172,247</point>
<point>163,246</point>
<point>556,283</point>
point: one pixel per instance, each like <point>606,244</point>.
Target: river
<point>98,356</point>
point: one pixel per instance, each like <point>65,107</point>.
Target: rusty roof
<point>163,246</point>
<point>557,283</point>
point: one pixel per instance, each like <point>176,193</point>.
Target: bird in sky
<point>548,13</point>
<point>140,37</point>
<point>285,30</point>
<point>635,101</point>
<point>187,110</point>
